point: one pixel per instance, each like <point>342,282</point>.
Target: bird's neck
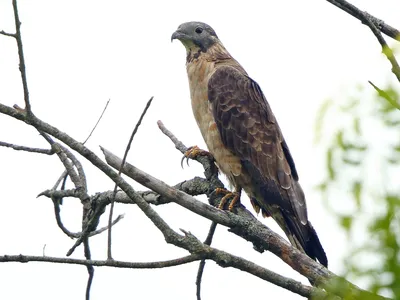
<point>215,53</point>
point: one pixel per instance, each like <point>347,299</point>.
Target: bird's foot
<point>228,194</point>
<point>193,152</point>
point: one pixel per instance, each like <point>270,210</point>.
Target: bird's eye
<point>199,30</point>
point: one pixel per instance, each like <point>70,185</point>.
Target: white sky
<point>79,54</point>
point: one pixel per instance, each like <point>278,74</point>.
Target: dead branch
<point>97,123</point>
<point>102,263</point>
<point>21,57</point>
<point>187,241</point>
<point>245,225</point>
<point>128,147</point>
<point>27,149</point>
<point>203,261</point>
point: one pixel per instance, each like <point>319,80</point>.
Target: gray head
<point>195,35</point>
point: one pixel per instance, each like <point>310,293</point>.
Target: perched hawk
<point>242,134</point>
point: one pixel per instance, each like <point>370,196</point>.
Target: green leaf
<point>357,187</point>
<point>339,140</point>
<point>351,162</point>
<point>329,162</point>
<point>352,103</point>
<point>346,222</point>
<point>356,125</point>
<point>385,95</point>
<point>319,122</point>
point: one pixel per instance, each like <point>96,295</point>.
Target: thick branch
<point>187,241</point>
<point>246,226</point>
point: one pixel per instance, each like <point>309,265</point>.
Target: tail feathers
<point>314,248</point>
<point>304,237</point>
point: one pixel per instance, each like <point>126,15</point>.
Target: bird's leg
<point>193,152</point>
<point>228,194</point>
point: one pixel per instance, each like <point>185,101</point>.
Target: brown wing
<point>248,128</point>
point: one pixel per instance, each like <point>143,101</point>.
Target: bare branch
<point>97,123</point>
<point>178,144</point>
<point>210,168</point>
<point>102,263</point>
<point>222,258</point>
<point>56,195</point>
<point>203,261</point>
<point>89,268</point>
<point>21,56</point>
<point>56,147</point>
<point>2,32</point>
<point>361,15</point>
<point>28,149</point>
<point>119,173</point>
<point>376,27</point>
<point>241,224</point>
<point>245,225</point>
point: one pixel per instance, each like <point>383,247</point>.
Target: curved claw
<point>187,160</point>
<point>187,155</point>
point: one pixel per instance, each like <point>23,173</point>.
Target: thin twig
<point>58,149</point>
<point>376,27</point>
<point>89,268</point>
<point>178,144</point>
<point>210,168</point>
<point>103,263</point>
<point>195,186</point>
<point>357,13</point>
<point>61,178</point>
<point>128,147</point>
<point>203,261</point>
<point>27,149</point>
<point>56,196</point>
<point>21,56</point>
<point>97,123</point>
<point>79,168</point>
<point>386,50</point>
<point>2,32</point>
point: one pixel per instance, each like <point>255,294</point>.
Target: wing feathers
<point>248,128</point>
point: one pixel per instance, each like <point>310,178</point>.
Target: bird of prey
<point>242,134</point>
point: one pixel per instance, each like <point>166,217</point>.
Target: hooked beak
<point>177,35</point>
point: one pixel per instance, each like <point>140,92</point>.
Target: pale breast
<point>199,72</point>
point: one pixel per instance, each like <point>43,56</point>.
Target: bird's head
<point>195,35</point>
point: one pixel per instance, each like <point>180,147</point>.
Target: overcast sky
<point>79,54</point>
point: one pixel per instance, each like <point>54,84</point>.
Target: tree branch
<point>102,263</point>
<point>188,241</point>
<point>376,27</point>
<point>2,32</point>
<point>361,15</point>
<point>21,56</point>
<point>27,149</point>
<point>128,147</point>
<point>249,228</point>
<point>203,261</point>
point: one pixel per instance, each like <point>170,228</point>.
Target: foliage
<point>361,187</point>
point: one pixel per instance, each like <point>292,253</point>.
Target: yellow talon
<point>228,194</point>
<point>192,152</point>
